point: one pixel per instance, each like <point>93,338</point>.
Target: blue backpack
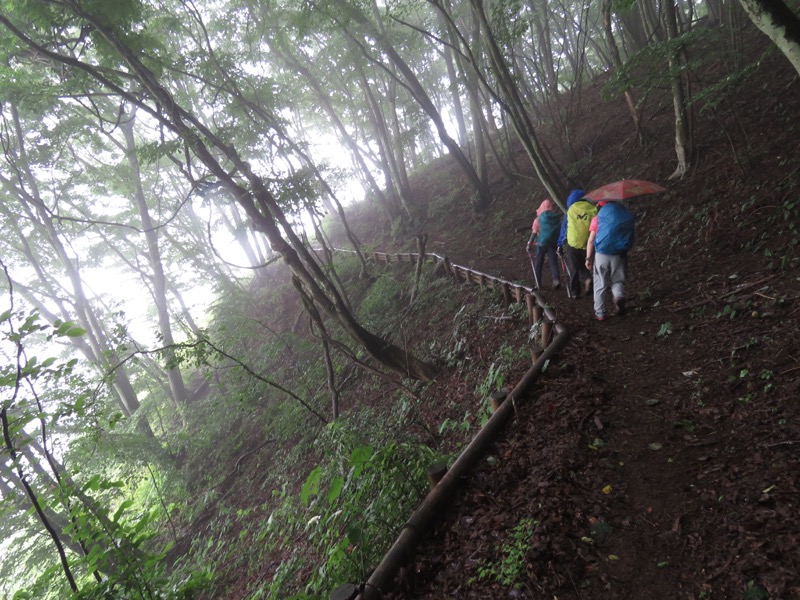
<point>616,228</point>
<point>549,227</point>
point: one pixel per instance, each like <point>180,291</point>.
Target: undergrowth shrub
<point>350,507</point>
<point>382,299</point>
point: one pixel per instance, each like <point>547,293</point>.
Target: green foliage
<point>349,506</point>
<point>511,566</point>
<point>506,358</point>
<point>753,591</point>
<point>95,515</point>
<point>382,299</point>
<point>712,95</point>
<point>647,70</point>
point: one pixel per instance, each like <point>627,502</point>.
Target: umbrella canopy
<point>624,189</point>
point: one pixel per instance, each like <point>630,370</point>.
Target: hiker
<point>611,235</point>
<point>544,234</point>
<point>572,243</point>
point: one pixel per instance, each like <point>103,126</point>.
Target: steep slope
<point>657,458</point>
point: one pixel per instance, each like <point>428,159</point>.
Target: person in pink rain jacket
<point>544,235</point>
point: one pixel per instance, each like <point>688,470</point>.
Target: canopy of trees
<point>159,155</point>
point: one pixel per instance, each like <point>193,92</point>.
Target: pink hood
<point>546,205</point>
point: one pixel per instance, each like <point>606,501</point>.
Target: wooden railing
<point>553,337</point>
<point>539,309</point>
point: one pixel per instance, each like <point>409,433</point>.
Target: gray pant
<point>609,272</point>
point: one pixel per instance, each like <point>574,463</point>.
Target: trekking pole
<point>533,268</point>
<point>569,277</point>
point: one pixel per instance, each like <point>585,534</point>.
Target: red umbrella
<point>622,190</point>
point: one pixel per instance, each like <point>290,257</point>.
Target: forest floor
<point>657,457</point>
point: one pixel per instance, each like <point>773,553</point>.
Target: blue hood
<point>574,196</point>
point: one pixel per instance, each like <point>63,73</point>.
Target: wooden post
<point>547,330</point>
<point>504,287</point>
<point>496,399</point>
<point>450,269</point>
<point>538,313</point>
<point>536,352</point>
<point>435,473</point>
<point>421,241</point>
<point>530,302</point>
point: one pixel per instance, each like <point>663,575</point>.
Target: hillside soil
<point>657,457</point>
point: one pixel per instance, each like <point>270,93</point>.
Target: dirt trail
<point>625,459</point>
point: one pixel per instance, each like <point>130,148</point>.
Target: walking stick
<point>569,277</point>
<point>533,267</point>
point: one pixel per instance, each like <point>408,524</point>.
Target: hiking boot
<point>599,318</point>
<point>620,304</point>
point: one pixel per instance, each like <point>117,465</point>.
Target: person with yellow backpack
<point>572,243</point>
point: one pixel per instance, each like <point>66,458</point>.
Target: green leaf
<point>75,332</point>
<point>337,485</point>
<point>122,507</point>
<point>311,486</point>
<point>359,458</point>
<point>356,533</point>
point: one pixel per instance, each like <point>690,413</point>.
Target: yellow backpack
<point>579,217</point>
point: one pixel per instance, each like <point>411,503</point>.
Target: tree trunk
<point>617,60</point>
<point>779,24</point>
<point>256,200</point>
<point>415,88</point>
<point>541,21</point>
<point>31,203</point>
<point>677,64</point>
<point>512,103</point>
<point>158,279</point>
<point>455,96</point>
<point>10,448</point>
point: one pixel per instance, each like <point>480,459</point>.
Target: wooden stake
<point>435,473</point>
<point>450,269</point>
<point>547,330</point>
<point>496,399</point>
<point>536,352</point>
<point>538,313</point>
<point>506,293</point>
<point>530,302</point>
